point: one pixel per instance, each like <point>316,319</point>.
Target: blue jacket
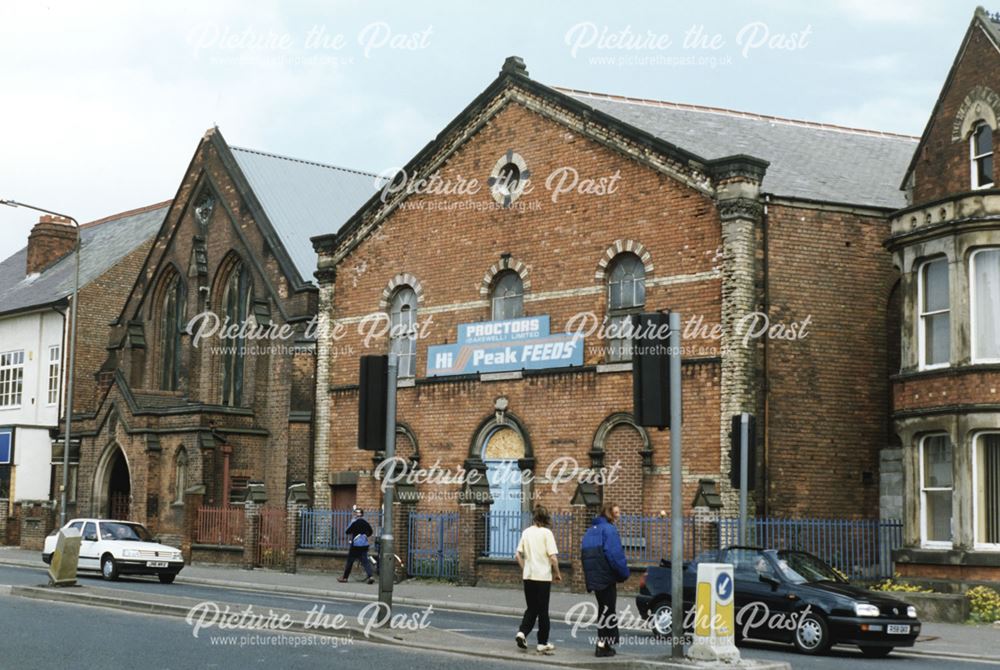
<point>602,555</point>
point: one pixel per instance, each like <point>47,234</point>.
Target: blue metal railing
<point>327,528</point>
<point>860,548</point>
<point>433,545</point>
<point>504,528</point>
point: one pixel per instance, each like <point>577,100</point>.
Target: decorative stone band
<point>740,208</point>
<point>981,104</point>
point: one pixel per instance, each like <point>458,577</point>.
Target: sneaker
<point>546,648</point>
<point>342,580</point>
<point>371,580</point>
<point>604,651</point>
<point>521,642</point>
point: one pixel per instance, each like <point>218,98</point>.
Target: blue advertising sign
<point>6,436</point>
<point>505,346</point>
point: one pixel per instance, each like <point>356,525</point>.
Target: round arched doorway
<point>502,450</point>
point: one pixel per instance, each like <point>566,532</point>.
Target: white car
<point>116,548</point>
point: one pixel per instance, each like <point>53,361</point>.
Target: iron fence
<point>327,528</point>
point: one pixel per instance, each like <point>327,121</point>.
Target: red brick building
<point>946,395</point>
<point>180,421</point>
<point>726,217</point>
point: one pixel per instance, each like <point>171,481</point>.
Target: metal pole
<point>744,475</point>
<point>676,509</point>
<point>72,353</point>
<point>386,557</point>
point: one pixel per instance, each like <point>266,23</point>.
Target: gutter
<point>767,377</point>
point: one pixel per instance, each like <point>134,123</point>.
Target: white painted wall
<point>33,333</point>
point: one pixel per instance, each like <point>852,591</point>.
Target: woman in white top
<point>538,557</point>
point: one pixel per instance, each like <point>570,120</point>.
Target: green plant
<point>898,586</point>
<point>984,604</point>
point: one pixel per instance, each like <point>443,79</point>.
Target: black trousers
<point>536,596</point>
<point>358,554</point>
<point>607,615</point>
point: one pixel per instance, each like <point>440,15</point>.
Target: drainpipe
<point>767,376</point>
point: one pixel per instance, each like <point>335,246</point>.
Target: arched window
<point>626,296</point>
<point>236,309</point>
<point>403,329</point>
<point>981,154</point>
<point>180,475</point>
<point>507,296</point>
<point>171,327</point>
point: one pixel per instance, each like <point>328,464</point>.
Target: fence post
<point>298,500</point>
<point>581,518</point>
<point>193,499</point>
<point>255,499</point>
<point>4,505</point>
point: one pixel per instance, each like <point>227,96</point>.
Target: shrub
<point>899,587</point>
<point>984,604</point>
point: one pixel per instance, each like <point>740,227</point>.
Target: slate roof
<point>303,199</point>
<point>808,160</point>
<point>104,243</point>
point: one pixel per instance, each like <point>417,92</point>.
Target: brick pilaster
<point>251,536</point>
<point>189,533</point>
<point>321,416</point>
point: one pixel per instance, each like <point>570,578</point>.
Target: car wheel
<point>812,635</point>
<point>876,652</point>
<point>167,579</point>
<point>109,569</point>
<point>661,620</point>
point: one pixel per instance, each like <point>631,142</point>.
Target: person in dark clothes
<point>604,567</point>
<point>358,533</point>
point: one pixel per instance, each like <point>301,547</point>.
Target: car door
<point>759,604</point>
<point>89,560</point>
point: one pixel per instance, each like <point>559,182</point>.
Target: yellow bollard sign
<point>714,624</point>
<point>62,570</point>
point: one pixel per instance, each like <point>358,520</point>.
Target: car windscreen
<point>113,530</point>
<point>801,568</point>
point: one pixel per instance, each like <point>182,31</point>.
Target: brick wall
<point>944,388</point>
<point>828,393</point>
<point>942,166</point>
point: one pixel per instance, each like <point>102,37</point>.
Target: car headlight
<point>179,556</point>
<point>911,612</point>
<point>130,553</point>
<point>864,609</point>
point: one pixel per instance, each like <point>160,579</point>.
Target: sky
<point>102,104</point>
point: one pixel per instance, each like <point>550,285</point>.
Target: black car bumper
<point>873,631</point>
<point>141,568</point>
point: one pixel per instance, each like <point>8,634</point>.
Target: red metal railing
<point>272,549</point>
<point>221,525</point>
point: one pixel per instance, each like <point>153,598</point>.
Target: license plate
<point>156,564</point>
<point>897,629</point>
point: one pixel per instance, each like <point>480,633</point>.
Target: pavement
<point>960,641</point>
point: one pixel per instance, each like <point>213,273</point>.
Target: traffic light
<point>371,402</point>
<point>651,369</point>
<point>735,435</point>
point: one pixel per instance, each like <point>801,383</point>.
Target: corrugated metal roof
<point>303,199</point>
<point>808,160</point>
<point>103,244</point>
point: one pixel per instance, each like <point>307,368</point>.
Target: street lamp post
<point>72,351</point>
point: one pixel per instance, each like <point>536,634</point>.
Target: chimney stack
<point>52,238</point>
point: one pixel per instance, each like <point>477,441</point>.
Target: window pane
<point>938,504</point>
<point>936,285</point>
<point>937,462</point>
<point>984,170</point>
<point>937,339</point>
<point>986,309</point>
<point>988,489</point>
<point>984,140</point>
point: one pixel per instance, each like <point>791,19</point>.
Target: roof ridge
<point>302,160</point>
<point>127,213</point>
<point>733,112</point>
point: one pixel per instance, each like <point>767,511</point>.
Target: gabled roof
<point>981,19</point>
<point>103,243</point>
<point>302,199</point>
<point>808,160</point>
